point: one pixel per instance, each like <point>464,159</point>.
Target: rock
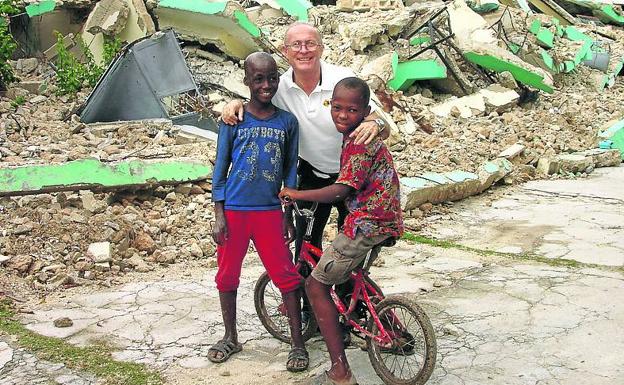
<point>139,264</point>
<point>167,257</point>
<point>20,263</point>
<point>27,65</point>
<point>196,251</point>
<point>144,242</point>
<point>171,197</point>
<point>63,322</point>
<point>100,252</point>
<point>23,229</point>
<point>184,189</point>
<point>91,204</point>
<point>547,166</point>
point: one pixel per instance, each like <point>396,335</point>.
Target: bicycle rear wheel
<point>272,311</point>
<point>410,358</point>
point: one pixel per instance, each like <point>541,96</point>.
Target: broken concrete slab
<point>365,5</point>
<point>603,157</point>
<point>224,24</point>
<point>605,11</point>
<point>406,73</point>
<point>296,8</point>
<point>574,163</point>
<point>522,75</point>
<point>492,98</point>
<point>40,8</point>
<point>149,79</point>
<point>91,174</point>
<point>614,133</point>
<point>480,45</point>
<point>493,171</point>
<point>127,20</point>
<point>512,151</point>
<point>108,17</point>
<point>551,8</point>
<point>451,186</point>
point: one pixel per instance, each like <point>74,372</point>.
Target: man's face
<point>303,48</point>
<point>348,109</point>
<point>262,79</point>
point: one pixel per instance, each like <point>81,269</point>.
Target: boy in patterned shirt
<point>254,159</point>
<point>369,184</point>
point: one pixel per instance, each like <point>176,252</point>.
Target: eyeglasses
<point>310,45</point>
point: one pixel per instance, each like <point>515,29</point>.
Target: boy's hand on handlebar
<point>287,195</point>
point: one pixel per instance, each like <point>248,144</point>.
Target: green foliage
<point>73,74</point>
<point>7,44</point>
<point>18,101</point>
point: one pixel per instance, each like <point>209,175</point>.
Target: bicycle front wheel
<point>410,357</point>
<point>272,311</point>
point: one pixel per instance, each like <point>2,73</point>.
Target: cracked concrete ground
<point>498,319</point>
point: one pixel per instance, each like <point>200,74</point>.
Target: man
<point>305,90</point>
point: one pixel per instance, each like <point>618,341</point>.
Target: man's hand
<point>365,132</point>
<point>219,230</point>
<point>288,227</point>
<point>287,195</point>
<point>233,112</point>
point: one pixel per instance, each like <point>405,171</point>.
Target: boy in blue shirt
<point>254,158</point>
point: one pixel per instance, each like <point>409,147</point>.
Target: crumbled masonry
<point>473,99</point>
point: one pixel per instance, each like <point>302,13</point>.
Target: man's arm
<point>330,194</point>
<point>233,112</point>
<point>369,129</point>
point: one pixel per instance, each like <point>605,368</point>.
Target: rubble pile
<point>458,122</point>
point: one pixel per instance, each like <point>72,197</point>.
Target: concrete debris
<point>224,24</point>
<point>494,98</point>
<point>93,174</point>
<point>436,188</point>
<point>365,5</point>
<point>126,20</point>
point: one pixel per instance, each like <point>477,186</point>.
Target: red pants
<point>265,229</point>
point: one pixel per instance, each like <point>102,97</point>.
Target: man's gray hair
<point>298,23</point>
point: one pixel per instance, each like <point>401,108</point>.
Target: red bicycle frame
<point>361,289</point>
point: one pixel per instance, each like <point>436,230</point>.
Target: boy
<point>262,153</point>
<point>370,185</point>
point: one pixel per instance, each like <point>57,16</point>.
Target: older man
<point>305,90</point>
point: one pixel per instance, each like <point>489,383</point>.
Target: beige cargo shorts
<point>343,256</point>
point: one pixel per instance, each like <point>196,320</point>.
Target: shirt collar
<point>326,84</point>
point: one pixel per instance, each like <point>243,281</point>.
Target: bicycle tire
<point>267,300</point>
<point>413,352</point>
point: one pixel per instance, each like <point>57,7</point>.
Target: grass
<point>94,359</point>
<point>523,256</point>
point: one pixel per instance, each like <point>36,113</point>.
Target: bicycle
<point>400,340</point>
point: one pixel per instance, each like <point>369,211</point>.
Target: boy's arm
<point>222,163</point>
<point>219,230</point>
<point>330,194</point>
<point>219,177</point>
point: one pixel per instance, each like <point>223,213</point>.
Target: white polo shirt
<point>319,142</point>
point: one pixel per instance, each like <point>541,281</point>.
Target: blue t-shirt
<point>254,158</point>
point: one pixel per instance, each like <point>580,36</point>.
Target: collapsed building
<point>116,178</point>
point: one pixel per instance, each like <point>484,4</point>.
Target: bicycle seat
<point>388,242</point>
